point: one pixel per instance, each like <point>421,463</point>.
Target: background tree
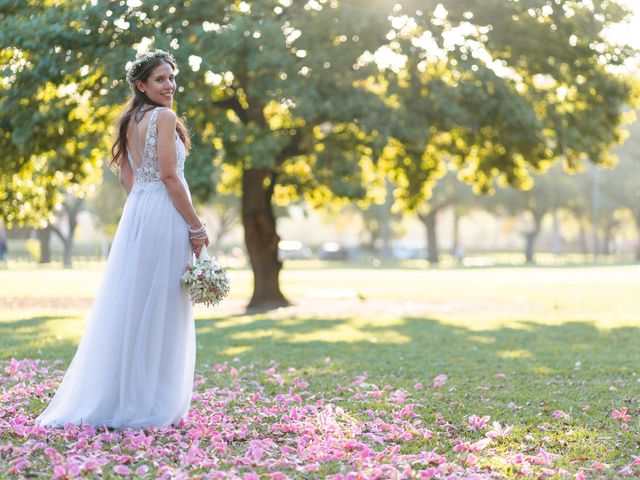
<point>381,222</point>
<point>51,134</point>
<point>283,104</point>
<point>550,192</point>
<point>503,89</point>
<point>288,99</point>
<point>449,192</point>
<point>621,184</point>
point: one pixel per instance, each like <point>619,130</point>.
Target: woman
<point>135,363</point>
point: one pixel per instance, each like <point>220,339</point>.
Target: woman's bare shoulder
<point>166,115</point>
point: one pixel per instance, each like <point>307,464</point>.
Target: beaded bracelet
<point>199,236</point>
<point>197,230</point>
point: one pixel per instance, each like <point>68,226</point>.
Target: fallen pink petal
<point>238,431</point>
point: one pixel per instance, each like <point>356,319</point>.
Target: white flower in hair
<point>142,59</point>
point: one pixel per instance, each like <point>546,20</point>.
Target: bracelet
<point>199,236</point>
<point>202,228</point>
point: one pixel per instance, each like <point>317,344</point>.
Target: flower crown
<point>142,60</point>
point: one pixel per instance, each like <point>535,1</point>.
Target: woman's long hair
<point>141,70</point>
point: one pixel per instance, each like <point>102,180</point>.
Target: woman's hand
<point>198,244</point>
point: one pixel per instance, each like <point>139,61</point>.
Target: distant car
<point>333,251</point>
<point>293,250</point>
<point>403,251</point>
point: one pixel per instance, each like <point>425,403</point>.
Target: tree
<point>51,135</point>
<point>551,191</point>
<point>503,89</point>
<point>71,207</point>
<point>497,103</point>
<point>267,121</point>
<point>449,191</point>
<point>290,132</point>
<point>620,184</point>
<point>381,222</point>
<point>555,53</point>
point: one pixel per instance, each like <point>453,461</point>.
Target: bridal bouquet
<point>206,280</point>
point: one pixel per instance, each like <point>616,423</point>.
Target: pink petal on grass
<point>122,470</point>
<point>59,472</point>
<point>621,415</point>
<point>477,423</point>
<point>439,380</point>
<point>142,470</point>
<point>560,415</point>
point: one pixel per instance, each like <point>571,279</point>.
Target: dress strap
<point>153,127</point>
<point>151,139</point>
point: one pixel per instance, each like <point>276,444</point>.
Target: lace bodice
<point>149,171</point>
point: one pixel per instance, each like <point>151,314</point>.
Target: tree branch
<point>292,149</point>
<point>234,104</point>
<point>57,231</point>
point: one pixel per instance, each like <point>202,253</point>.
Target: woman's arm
<point>168,159</point>
<point>127,178</point>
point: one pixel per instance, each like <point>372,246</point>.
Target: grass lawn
<point>386,372</point>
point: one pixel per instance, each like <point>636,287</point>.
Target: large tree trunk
<point>73,223</point>
<point>261,238</point>
<point>455,234</point>
<point>530,238</point>
<point>372,226</point>
<point>385,226</point>
<point>44,236</point>
<point>72,207</point>
<point>67,244</point>
<point>429,221</point>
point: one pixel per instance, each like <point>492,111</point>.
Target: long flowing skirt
<point>135,363</point>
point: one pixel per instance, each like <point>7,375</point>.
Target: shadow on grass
<point>409,349</point>
<point>35,337</point>
<point>421,345</point>
<point>571,366</point>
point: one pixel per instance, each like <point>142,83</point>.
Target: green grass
<point>565,339</point>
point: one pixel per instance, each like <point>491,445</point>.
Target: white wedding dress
<point>135,363</point>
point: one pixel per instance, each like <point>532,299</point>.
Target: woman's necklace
<point>137,116</point>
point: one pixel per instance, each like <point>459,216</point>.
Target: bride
<point>135,363</point>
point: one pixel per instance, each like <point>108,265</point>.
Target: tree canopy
<point>314,100</point>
